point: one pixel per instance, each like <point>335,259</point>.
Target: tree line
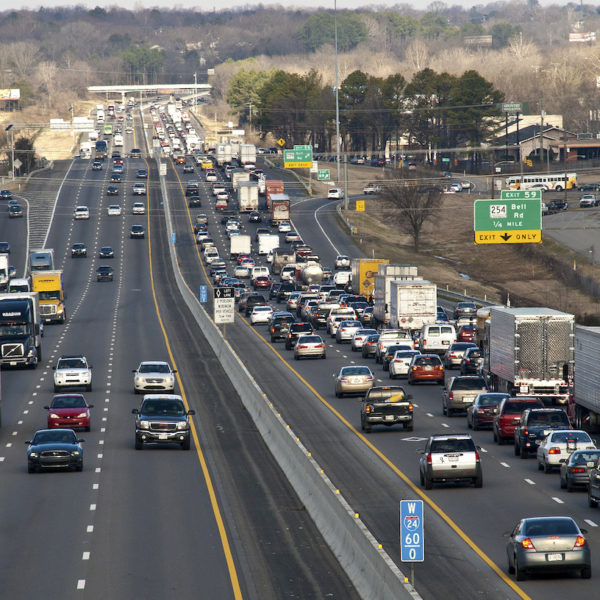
<point>432,110</point>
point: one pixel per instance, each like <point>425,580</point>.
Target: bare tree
<point>22,57</point>
<point>410,205</point>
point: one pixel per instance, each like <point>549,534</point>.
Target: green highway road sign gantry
<point>514,220</point>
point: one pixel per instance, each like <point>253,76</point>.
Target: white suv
<point>72,371</point>
<point>153,375</point>
<point>138,208</point>
<point>81,212</point>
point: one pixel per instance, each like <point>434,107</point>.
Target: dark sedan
<point>106,252</point>
<point>78,249</point>
<point>481,412</point>
<point>54,449</point>
<point>254,217</point>
<point>104,273</point>
<point>575,472</point>
<point>137,231</point>
<point>194,201</point>
<point>112,190</point>
<point>4,248</point>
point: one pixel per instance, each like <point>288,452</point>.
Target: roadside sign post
<point>412,538</point>
<point>514,219</point>
<point>223,305</point>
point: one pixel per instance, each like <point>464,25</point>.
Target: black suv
<point>162,418</point>
<point>254,300</point>
<point>386,405</point>
<point>534,426</point>
<point>280,327</point>
<point>284,291</point>
<point>465,309</point>
<point>296,330</point>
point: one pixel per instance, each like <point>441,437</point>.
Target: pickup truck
<point>386,405</point>
<point>534,426</point>
<point>371,188</point>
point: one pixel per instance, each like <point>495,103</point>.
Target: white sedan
<point>557,446</point>
<point>153,375</point>
<point>284,227</point>
<point>261,314</point>
<point>401,362</point>
<point>81,212</point>
<point>335,194</point>
<point>241,271</point>
<point>114,210</point>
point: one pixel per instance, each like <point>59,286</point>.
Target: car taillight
<point>440,367</point>
<point>423,342</point>
<point>527,544</point>
<point>477,456</point>
<point>320,346</point>
<point>397,360</point>
<point>369,378</point>
<point>525,432</point>
<point>576,470</point>
<point>429,459</point>
<point>554,450</point>
<point>344,378</point>
<point>579,542</point>
<point>450,395</point>
<point>300,346</point>
<point>414,368</point>
<point>368,408</point>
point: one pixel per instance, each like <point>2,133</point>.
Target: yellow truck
<point>364,271</point>
<point>49,285</point>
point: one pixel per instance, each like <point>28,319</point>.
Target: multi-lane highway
<point>219,521</point>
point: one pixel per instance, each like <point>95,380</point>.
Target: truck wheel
<point>57,389</point>
<point>517,450</point>
<point>367,428</point>
<point>139,445</point>
<point>569,486</point>
<point>428,482</point>
<point>88,388</point>
<point>478,481</point>
<point>39,353</point>
<point>547,468</point>
<point>408,426</point>
<point>185,445</point>
<point>524,453</point>
<point>475,425</point>
<point>593,503</point>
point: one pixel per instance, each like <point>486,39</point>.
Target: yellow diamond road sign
<point>531,236</point>
<point>281,142</point>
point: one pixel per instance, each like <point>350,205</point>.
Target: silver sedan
<point>353,380</point>
<point>359,337</point>
<point>346,331</point>
<point>310,346</point>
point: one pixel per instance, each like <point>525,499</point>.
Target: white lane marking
<point>445,425</point>
<point>429,414</point>
<point>590,523</point>
<point>90,529</point>
<point>505,465</point>
<point>85,556</point>
<point>483,450</point>
<point>557,500</point>
<point>529,482</point>
<point>81,584</point>
<point>321,227</point>
<point>92,507</point>
<point>95,486</point>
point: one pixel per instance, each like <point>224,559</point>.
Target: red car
<point>262,282</point>
<point>242,257</point>
<point>117,161</point>
<point>466,333</point>
<point>508,417</point>
<point>426,367</point>
<point>70,411</point>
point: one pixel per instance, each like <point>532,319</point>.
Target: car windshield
<point>550,527</point>
<point>50,437</point>
<point>514,408</point>
<point>473,354</point>
<point>301,327</point>
<point>310,339</point>
<point>68,402</point>
<point>71,363</point>
<point>488,400</point>
<point>428,361</point>
<point>562,437</point>
<point>460,346</point>
<point>463,383</point>
<point>405,353</point>
<point>154,368</point>
<point>548,418</point>
<point>346,371</point>
<point>464,445</point>
<point>163,407</point>
<point>582,457</point>
<point>262,309</point>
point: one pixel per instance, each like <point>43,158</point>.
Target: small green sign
<point>521,194</point>
<point>323,174</point>
<point>512,107</point>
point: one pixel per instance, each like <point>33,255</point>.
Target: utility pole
<point>337,96</point>
<point>12,148</point>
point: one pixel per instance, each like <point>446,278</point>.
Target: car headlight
<point>61,309</point>
<point>182,425</point>
<point>53,416</point>
<point>32,353</point>
<point>75,453</point>
<point>139,380</point>
<point>82,415</point>
<point>144,424</point>
<point>33,455</point>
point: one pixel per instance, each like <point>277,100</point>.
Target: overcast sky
<point>219,5</point>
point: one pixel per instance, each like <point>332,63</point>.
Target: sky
<point>219,5</point>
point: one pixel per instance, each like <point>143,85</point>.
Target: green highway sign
<point>323,174</point>
<point>521,195</point>
<point>512,107</point>
<point>299,158</point>
<point>508,221</point>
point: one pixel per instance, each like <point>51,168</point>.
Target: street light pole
<point>337,96</point>
<point>195,90</point>
<point>12,149</point>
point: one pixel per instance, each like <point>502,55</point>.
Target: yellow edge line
<point>397,471</point>
<point>237,592</point>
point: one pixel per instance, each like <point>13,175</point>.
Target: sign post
<point>412,538</point>
<point>223,305</point>
<point>514,219</point>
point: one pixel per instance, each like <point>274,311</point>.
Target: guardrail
<point>371,570</point>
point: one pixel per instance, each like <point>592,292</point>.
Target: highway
<point>465,528</point>
<point>219,521</point>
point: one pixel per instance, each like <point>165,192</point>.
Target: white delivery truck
<point>413,304</point>
<point>239,244</point>
<point>267,242</point>
<point>381,292</point>
<point>85,150</point>
<point>118,140</point>
<point>247,194</point>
